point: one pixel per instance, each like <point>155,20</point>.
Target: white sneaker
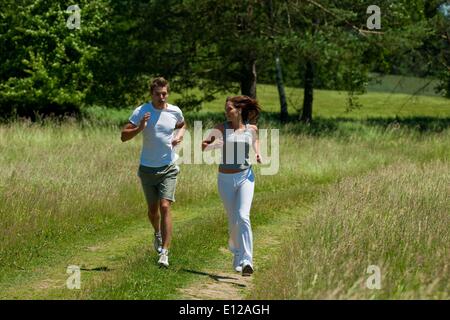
<point>164,258</point>
<point>157,243</point>
<point>247,270</point>
<point>237,263</point>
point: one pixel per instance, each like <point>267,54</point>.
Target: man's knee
<point>164,205</point>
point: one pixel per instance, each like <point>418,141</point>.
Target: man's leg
<point>151,196</point>
<point>166,222</point>
<point>154,216</point>
<point>166,196</point>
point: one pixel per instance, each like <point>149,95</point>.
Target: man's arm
<point>180,133</point>
<point>130,130</point>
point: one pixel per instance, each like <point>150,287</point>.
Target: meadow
<point>354,189</point>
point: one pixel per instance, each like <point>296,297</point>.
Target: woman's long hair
<point>250,108</point>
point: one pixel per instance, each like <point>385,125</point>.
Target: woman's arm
<point>214,139</point>
<point>255,144</point>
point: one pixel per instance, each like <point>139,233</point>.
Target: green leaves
<point>214,46</point>
<point>45,65</point>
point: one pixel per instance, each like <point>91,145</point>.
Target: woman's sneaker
<point>247,270</point>
<point>164,258</point>
<point>237,263</point>
<point>157,243</point>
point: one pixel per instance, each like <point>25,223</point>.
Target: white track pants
<point>236,191</point>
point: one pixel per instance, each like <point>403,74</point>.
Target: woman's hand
<point>211,144</point>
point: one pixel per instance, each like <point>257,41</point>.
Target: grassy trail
<point>97,260</point>
<point>109,261</point>
<point>70,196</point>
<point>100,258</point>
<point>220,282</point>
<point>122,265</point>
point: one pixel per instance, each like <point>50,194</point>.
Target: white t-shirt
<point>157,150</point>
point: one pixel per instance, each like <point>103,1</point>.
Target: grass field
<point>394,96</point>
<point>355,189</point>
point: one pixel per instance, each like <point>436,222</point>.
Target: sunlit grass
<point>62,182</point>
<point>327,104</point>
<point>395,218</point>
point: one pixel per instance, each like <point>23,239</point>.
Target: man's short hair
<point>158,82</point>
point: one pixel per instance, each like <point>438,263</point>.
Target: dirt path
<point>221,282</point>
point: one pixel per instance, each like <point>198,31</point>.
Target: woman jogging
<point>236,181</point>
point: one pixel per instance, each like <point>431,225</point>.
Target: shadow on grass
<point>318,127</point>
<point>102,268</point>
<point>215,277</point>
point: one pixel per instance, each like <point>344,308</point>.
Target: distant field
<point>332,104</point>
<point>403,84</point>
<point>327,104</point>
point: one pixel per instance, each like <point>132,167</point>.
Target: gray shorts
<point>159,183</point>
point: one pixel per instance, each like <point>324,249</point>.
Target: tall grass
<point>301,180</point>
<point>396,218</point>
<point>60,182</point>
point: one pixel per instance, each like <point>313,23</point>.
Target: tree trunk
<point>281,93</point>
<point>308,94</point>
<point>248,79</point>
<point>279,73</point>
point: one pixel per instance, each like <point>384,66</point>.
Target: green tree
<point>45,66</point>
<point>211,45</point>
<point>329,42</point>
<point>439,42</point>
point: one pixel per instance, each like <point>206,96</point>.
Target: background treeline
<point>205,47</point>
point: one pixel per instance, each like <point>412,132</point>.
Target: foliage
<point>46,67</point>
<point>205,47</point>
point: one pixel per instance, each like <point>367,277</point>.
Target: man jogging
<point>157,171</point>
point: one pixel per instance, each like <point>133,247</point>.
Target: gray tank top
<point>236,148</point>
